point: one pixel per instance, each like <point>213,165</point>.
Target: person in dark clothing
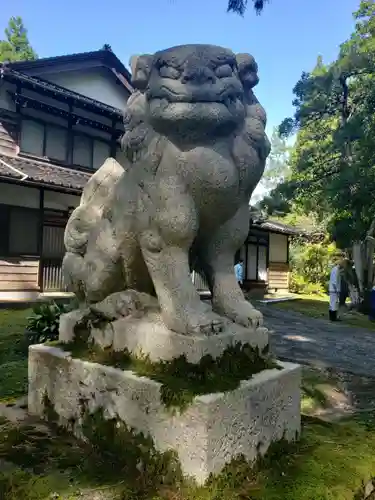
<point>344,292</point>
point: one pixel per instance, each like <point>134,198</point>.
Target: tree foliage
<point>277,168</point>
<point>333,160</point>
<point>240,6</point>
<point>276,173</point>
<point>16,45</point>
<point>310,264</point>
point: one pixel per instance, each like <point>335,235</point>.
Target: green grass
<point>13,353</point>
<point>316,306</point>
<point>313,389</point>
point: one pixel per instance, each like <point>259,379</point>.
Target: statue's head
<point>192,88</point>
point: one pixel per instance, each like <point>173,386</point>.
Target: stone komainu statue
<point>196,148</point>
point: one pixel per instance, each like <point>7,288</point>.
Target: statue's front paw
<point>196,322</point>
<point>255,317</point>
<point>242,313</point>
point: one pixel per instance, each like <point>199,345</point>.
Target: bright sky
<point>285,40</point>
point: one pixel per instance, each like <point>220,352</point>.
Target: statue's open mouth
<point>165,95</point>
<point>207,105</point>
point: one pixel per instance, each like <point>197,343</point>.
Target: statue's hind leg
<point>217,260</point>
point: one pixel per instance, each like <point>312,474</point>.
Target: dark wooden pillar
<point>113,149</point>
<point>69,137</point>
<point>246,259</point>
<point>40,237</point>
<point>19,115</point>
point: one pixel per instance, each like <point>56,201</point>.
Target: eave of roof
<point>42,173</point>
<point>277,227</point>
<point>106,57</point>
<point>10,74</point>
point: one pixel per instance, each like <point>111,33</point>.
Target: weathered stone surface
<point>150,336</point>
<point>196,149</point>
<point>68,322</point>
<point>141,330</point>
<point>147,335</point>
<point>369,489</point>
<point>214,429</point>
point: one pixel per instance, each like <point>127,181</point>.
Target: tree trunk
<point>359,263</point>
<point>363,257</point>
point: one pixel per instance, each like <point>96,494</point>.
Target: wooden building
<point>60,118</point>
<point>265,255</point>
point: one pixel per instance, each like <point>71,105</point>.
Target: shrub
<point>298,284</point>
<point>311,267</point>
<point>43,324</point>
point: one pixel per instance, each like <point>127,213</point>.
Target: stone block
<point>214,429</point>
<point>68,322</point>
<point>149,336</point>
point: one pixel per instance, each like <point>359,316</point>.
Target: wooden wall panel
<point>278,276</point>
<point>19,274</point>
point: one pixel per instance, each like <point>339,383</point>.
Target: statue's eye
<point>223,71</point>
<point>169,72</point>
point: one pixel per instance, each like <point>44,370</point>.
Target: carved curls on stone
<point>135,128</point>
<point>247,70</point>
<point>141,68</point>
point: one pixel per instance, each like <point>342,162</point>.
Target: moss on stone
<point>43,461</point>
<point>122,447</point>
<point>50,413</point>
<point>181,380</point>
<point>58,466</point>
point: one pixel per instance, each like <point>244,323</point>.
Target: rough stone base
<point>149,336</point>
<point>212,431</point>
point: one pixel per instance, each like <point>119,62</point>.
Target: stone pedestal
<point>148,335</point>
<point>213,430</point>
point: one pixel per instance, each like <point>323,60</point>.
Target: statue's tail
<point>95,197</point>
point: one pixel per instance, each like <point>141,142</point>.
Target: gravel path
<point>319,342</point>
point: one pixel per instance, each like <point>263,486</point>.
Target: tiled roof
<point>277,227</point>
<point>42,173</point>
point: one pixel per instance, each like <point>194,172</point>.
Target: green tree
<point>16,46</point>
<point>310,263</point>
<point>278,201</point>
<point>333,161</point>
<point>276,173</point>
<point>277,169</point>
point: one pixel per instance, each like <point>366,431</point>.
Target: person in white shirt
<point>334,290</point>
